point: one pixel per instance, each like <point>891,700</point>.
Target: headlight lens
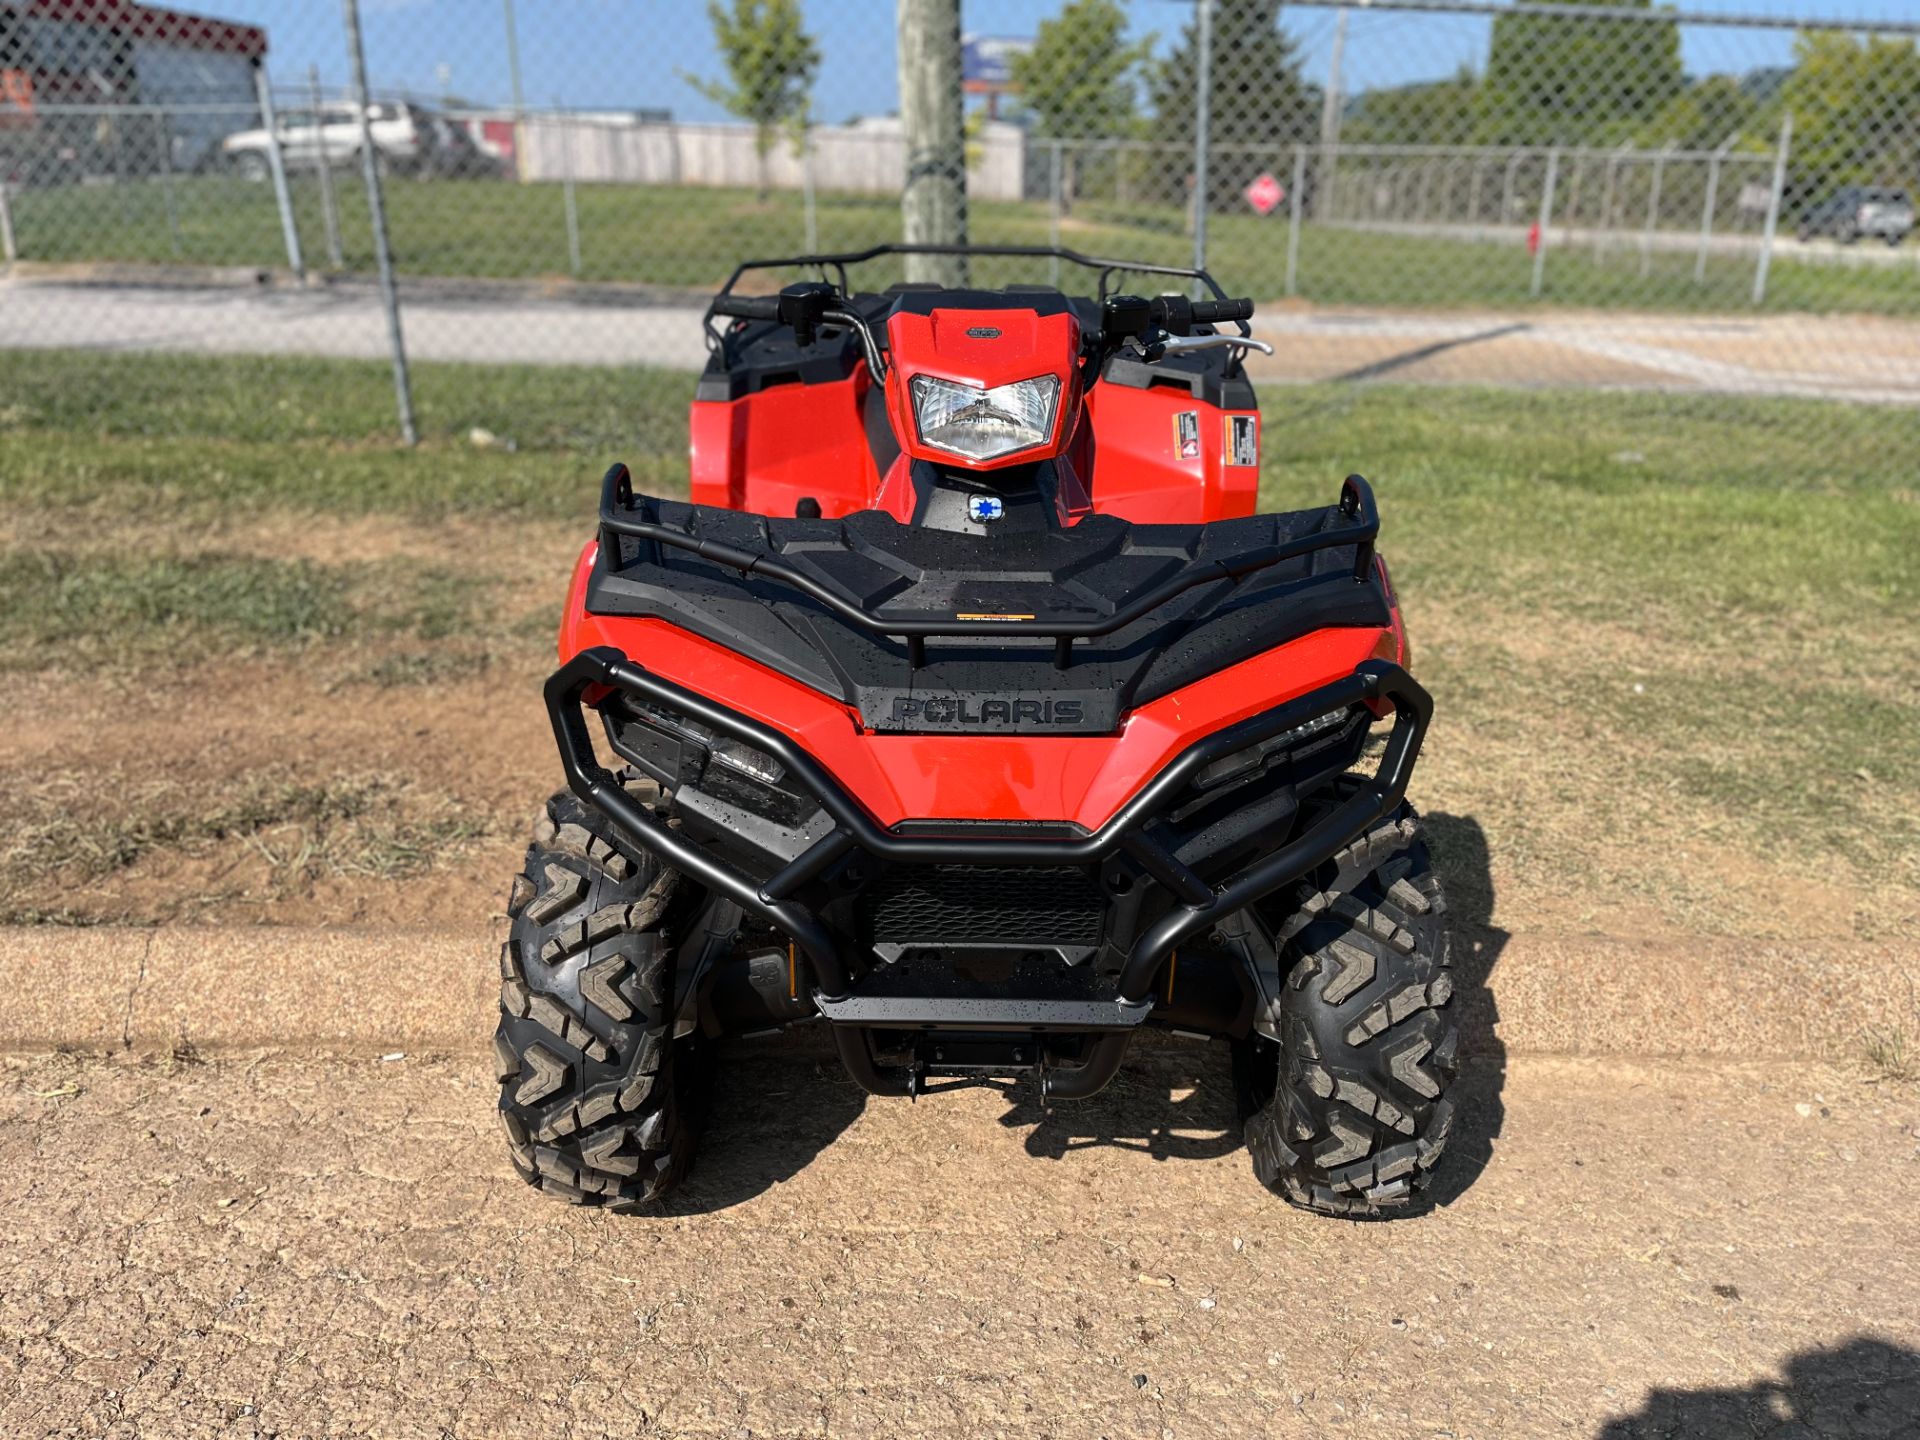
<point>980,423</point>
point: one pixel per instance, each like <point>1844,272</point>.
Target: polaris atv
<point>969,710</point>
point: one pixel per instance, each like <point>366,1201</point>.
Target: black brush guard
<point>1197,904</point>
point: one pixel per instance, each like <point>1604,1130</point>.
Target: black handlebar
<point>747,307</point>
<point>807,307</point>
<point>1220,312</point>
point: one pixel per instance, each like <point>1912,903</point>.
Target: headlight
<point>982,424</point>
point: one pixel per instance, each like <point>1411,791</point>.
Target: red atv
<point>969,709</point>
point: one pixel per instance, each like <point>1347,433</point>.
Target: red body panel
<point>764,453</point>
<point>1134,444</point>
<point>1080,778</point>
<point>767,452</point>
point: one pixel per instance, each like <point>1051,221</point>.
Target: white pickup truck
<point>406,139</point>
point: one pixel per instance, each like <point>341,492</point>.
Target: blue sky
<point>629,54</point>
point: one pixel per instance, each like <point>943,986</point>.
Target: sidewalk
<point>1865,359</point>
<point>368,991</point>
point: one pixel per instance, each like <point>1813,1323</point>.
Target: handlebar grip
<point>747,307</point>
<point>1217,312</point>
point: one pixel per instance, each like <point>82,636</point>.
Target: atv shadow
<point>1173,1099</point>
<point>1865,1388</point>
<point>776,1104</point>
<point>1460,854</point>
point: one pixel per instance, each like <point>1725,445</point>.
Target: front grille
<point>983,905</point>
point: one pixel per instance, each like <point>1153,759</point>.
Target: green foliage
<point>1856,111</point>
<point>1704,116</point>
<point>1259,102</point>
<point>1079,78</point>
<point>771,63</point>
<point>1433,112</point>
<point>1579,79</point>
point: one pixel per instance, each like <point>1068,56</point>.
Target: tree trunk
<point>933,205</point>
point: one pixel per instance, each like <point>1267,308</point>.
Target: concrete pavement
<point>1858,358</point>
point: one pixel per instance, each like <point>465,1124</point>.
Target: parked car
<point>407,139</point>
<point>1856,210</point>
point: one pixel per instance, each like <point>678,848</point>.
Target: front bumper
<point>1196,904</point>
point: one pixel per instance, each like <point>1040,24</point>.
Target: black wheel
<point>1348,1114</point>
<point>600,1103</point>
<point>252,168</point>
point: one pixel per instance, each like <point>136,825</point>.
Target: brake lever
<point>1185,344</point>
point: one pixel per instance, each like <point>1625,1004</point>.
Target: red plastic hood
<point>984,348</point>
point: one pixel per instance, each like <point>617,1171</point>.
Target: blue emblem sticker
<point>985,507</point>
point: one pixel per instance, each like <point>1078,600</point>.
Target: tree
<point>1430,112</point>
<point>1702,117</point>
<point>771,63</point>
<point>1259,102</point>
<point>1856,111</point>
<point>1581,79</point>
<point>1079,79</point>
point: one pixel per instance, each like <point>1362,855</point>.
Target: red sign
<point>1265,193</point>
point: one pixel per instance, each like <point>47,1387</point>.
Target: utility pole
<point>1330,105</point>
<point>933,205</point>
<point>519,96</point>
<point>1202,126</point>
<point>377,209</point>
<point>1330,115</point>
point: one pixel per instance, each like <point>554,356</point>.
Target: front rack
<point>1356,504</point>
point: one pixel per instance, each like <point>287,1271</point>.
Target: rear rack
<point>1356,503</point>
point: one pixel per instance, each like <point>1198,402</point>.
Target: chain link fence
<point>1586,196</point>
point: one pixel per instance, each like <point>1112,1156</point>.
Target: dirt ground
<point>297,1245</point>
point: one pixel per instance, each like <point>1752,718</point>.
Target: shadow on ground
<point>1174,1099</point>
<point>1865,1389</point>
<point>776,1104</point>
<point>1460,853</point>
<point>779,1103</point>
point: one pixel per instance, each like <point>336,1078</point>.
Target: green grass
<point>106,604</point>
<point>689,237</point>
<point>1656,626</point>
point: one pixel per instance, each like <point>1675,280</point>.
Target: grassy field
<point>688,237</point>
<point>263,662</point>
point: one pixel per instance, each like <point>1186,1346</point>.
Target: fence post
<point>1293,218</point>
<point>811,217</point>
<point>1202,124</point>
<point>163,134</point>
<point>1653,212</point>
<point>1053,212</point>
<point>1506,189</point>
<point>1604,227</point>
<point>1473,198</point>
<point>567,200</point>
<point>277,165</point>
<point>1546,221</point>
<point>8,249</point>
<point>376,205</point>
<point>329,215</point>
<point>1773,209</point>
<point>1706,211</point>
